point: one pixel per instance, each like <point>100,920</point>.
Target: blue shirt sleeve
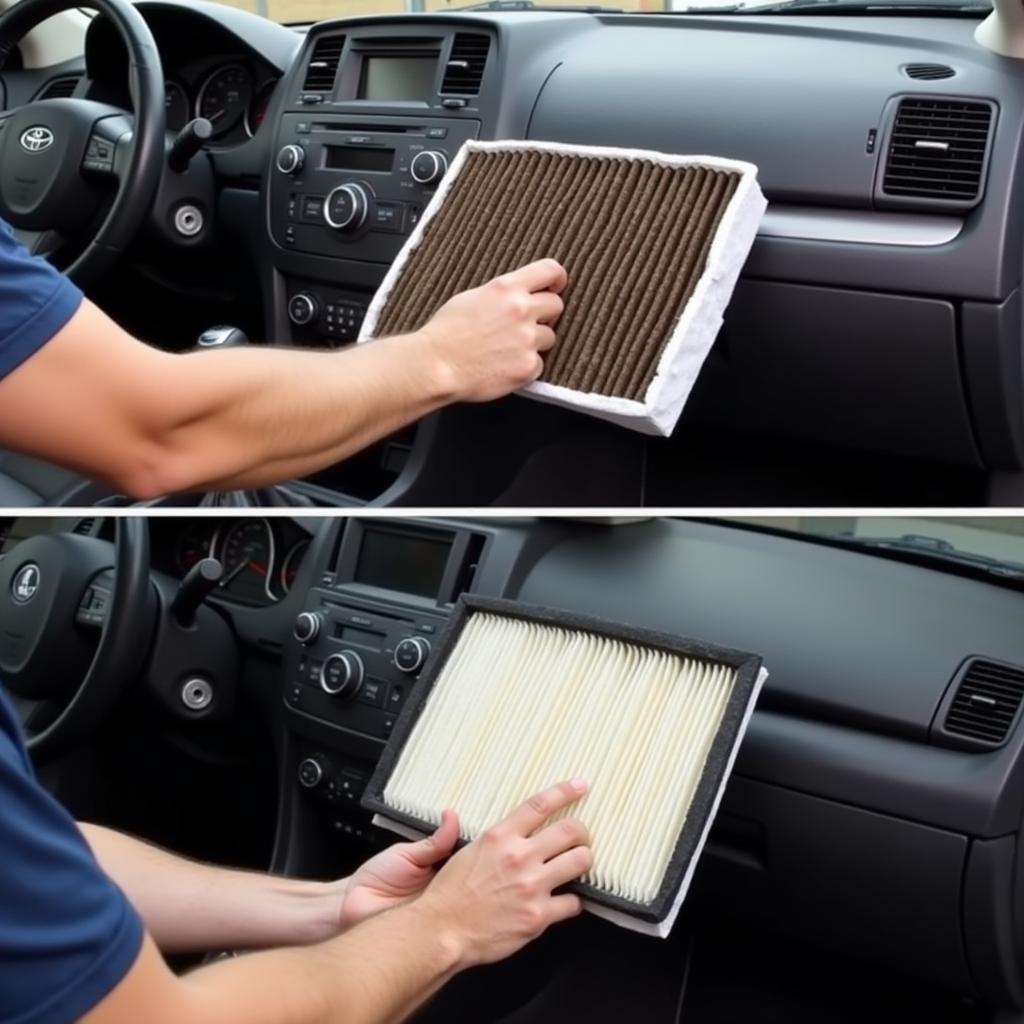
<point>35,302</point>
<point>67,934</point>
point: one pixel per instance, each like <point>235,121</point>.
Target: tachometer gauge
<point>290,565</point>
<point>176,103</point>
<point>195,542</point>
<point>248,556</point>
<point>258,108</point>
<point>224,98</point>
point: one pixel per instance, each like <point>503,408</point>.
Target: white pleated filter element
<point>520,705</point>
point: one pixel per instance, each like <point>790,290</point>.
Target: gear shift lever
<point>222,336</point>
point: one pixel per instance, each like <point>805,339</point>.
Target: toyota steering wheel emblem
<point>36,139</point>
<point>25,584</point>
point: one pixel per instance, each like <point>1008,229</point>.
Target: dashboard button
<point>428,167</point>
<point>302,309</point>
<point>411,653</point>
<point>342,675</point>
<point>311,772</point>
<point>346,207</point>
<point>290,159</point>
<point>307,627</point>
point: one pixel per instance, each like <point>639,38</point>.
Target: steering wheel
<point>57,590</point>
<point>58,157</point>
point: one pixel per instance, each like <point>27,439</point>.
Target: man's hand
<point>397,875</point>
<point>490,340</point>
<point>495,895</point>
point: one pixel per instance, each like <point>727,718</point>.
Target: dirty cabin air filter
<point>653,245</point>
<point>516,698</point>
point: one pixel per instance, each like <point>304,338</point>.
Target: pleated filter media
<point>653,245</point>
<point>518,698</point>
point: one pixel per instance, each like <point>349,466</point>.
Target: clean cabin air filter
<point>516,698</point>
<point>653,245</point>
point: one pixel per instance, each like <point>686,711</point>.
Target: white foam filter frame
<point>698,325</point>
<point>517,698</point>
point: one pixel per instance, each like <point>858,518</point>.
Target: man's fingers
<point>544,275</point>
<point>530,815</point>
<point>558,837</point>
<point>544,338</point>
<point>568,866</point>
<point>547,307</point>
<point>564,906</point>
<point>438,846</point>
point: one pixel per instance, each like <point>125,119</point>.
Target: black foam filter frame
<point>712,775</point>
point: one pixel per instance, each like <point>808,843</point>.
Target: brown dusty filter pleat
<point>633,235</point>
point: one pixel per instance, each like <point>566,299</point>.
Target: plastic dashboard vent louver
<point>59,88</point>
<point>986,703</point>
<point>938,150</point>
<point>928,72</point>
<point>323,64</point>
<point>515,698</point>
<point>465,69</point>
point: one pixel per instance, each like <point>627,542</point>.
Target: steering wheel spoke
<point>40,243</point>
<point>109,146</point>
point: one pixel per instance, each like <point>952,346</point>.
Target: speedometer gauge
<point>224,98</point>
<point>248,556</point>
<point>257,110</point>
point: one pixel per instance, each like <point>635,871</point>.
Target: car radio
<point>349,187</point>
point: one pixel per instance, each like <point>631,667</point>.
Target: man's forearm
<point>190,906</point>
<point>161,423</point>
<point>377,973</point>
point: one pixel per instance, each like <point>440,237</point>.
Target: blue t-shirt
<point>35,302</point>
<point>68,935</point>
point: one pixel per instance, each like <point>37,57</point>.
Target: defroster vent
<point>323,65</point>
<point>465,69</point>
<point>986,703</point>
<point>928,72</point>
<point>938,150</point>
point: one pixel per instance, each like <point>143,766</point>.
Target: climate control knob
<point>411,653</point>
<point>290,159</point>
<point>342,675</point>
<point>428,167</point>
<point>346,207</point>
<point>311,771</point>
<point>302,309</point>
<point>307,626</point>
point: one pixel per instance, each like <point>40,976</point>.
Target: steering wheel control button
<point>290,159</point>
<point>311,772</point>
<point>197,693</point>
<point>189,220</point>
<point>342,675</point>
<point>302,309</point>
<point>428,167</point>
<point>346,207</point>
<point>411,653</point>
<point>92,610</point>
<point>307,627</point>
<point>99,155</point>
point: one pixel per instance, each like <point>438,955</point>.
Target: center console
<point>359,643</point>
<point>370,123</point>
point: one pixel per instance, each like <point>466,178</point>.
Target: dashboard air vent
<point>928,72</point>
<point>85,527</point>
<point>59,88</point>
<point>986,702</point>
<point>323,65</point>
<point>465,69</point>
<point>938,150</point>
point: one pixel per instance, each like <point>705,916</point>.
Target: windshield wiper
<point>927,547</point>
<point>529,5</point>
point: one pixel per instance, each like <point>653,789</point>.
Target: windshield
<point>989,545</point>
<point>303,11</point>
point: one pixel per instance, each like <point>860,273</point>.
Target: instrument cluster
<point>232,96</point>
<point>261,557</point>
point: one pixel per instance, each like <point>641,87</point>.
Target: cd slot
<point>365,129</point>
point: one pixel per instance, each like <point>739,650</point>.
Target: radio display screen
<point>359,158</point>
<point>407,563</point>
<point>398,79</point>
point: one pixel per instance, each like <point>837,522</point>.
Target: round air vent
<point>928,72</point>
